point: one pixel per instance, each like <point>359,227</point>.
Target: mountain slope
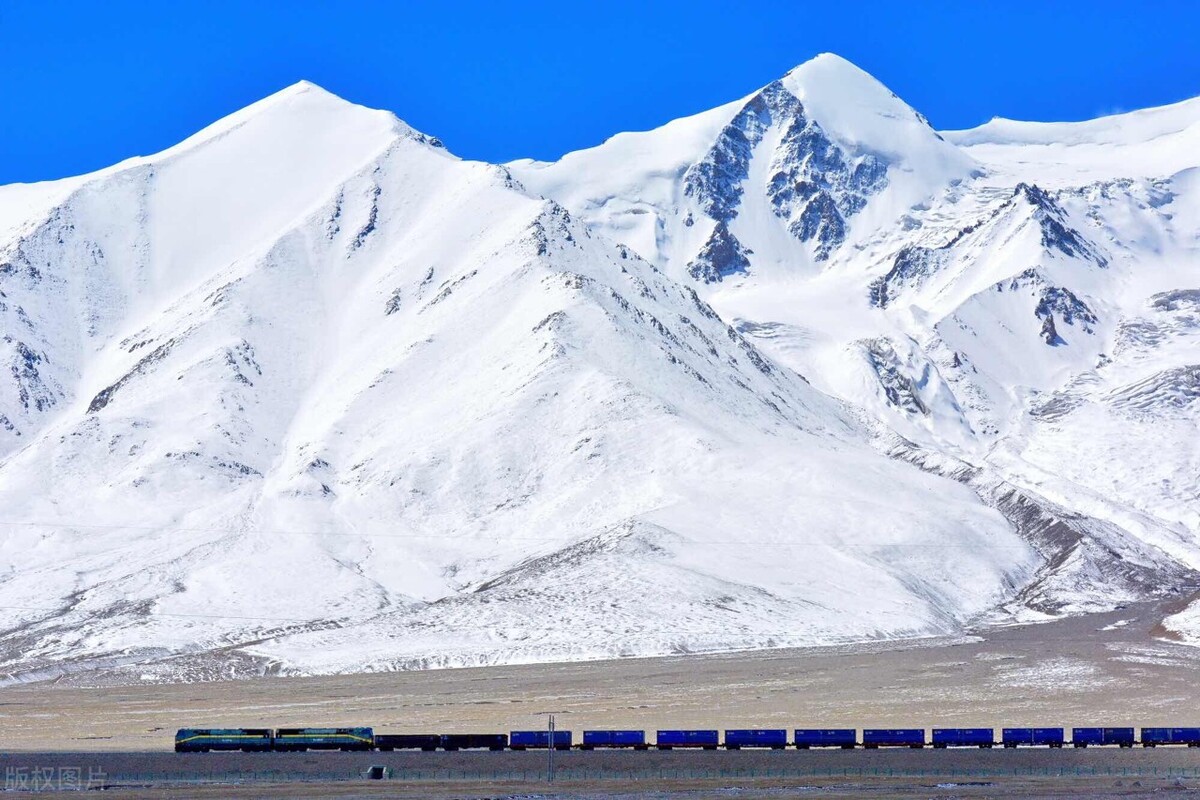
<point>319,396</point>
<point>1149,143</point>
<point>1010,306</point>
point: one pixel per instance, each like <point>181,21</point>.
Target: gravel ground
<point>1097,670</point>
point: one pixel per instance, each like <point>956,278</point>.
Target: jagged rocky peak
<point>1057,233</point>
<point>722,255</point>
<point>716,181</point>
<point>1062,301</point>
<point>910,268</point>
<point>913,265</point>
<point>814,184</point>
<point>812,149</point>
<point>826,156</point>
<point>1054,303</point>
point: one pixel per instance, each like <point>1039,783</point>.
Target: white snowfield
<point>308,394</point>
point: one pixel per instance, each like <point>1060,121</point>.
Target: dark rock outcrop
<point>816,185</point>
<point>722,255</point>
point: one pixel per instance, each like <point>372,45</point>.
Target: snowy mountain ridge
<point>318,396</point>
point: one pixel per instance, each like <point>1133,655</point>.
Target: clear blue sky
<point>83,85</point>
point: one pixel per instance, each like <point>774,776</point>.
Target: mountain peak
<point>829,63</point>
<point>863,114</point>
<point>307,91</point>
<point>832,87</point>
<point>301,117</point>
<point>304,85</point>
<point>302,99</point>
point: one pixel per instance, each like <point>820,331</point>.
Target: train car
<point>669,740</point>
<point>845,738</point>
<point>893,737</point>
<point>202,740</point>
<point>387,742</point>
<point>963,737</point>
<point>299,739</point>
<point>474,741</point>
<point>736,739</point>
<point>614,739</point>
<point>539,740</point>
<point>1032,737</point>
<point>1153,737</point>
<point>1100,737</point>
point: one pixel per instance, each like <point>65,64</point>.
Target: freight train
<point>202,740</point>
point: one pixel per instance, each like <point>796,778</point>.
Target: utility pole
<point>549,744</point>
<point>550,752</point>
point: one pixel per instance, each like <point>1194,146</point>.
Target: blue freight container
<point>893,737</point>
<point>1051,737</point>
<point>669,739</point>
<point>739,738</point>
<point>846,738</point>
<point>1152,737</point>
<point>963,737</point>
<point>1123,736</point>
<point>524,740</point>
<point>1082,737</point>
<point>594,739</point>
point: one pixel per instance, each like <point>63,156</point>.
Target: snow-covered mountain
<point>308,393</point>
<point>1014,305</point>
